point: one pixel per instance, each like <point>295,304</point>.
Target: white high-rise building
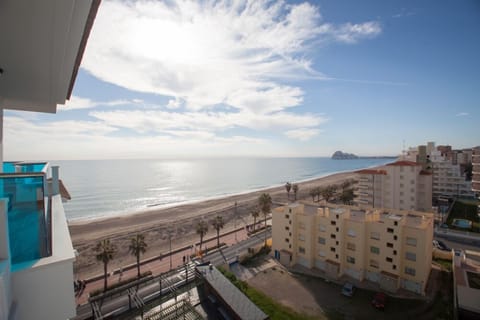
<point>42,43</point>
<point>402,185</point>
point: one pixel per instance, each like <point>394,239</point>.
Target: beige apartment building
<point>392,248</point>
<point>402,185</point>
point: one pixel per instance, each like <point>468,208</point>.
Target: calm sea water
<point>114,187</point>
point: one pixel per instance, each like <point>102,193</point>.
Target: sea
<point>103,188</point>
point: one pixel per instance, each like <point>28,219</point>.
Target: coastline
<point>156,223</point>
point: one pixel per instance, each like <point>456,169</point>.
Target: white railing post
<point>55,183</point>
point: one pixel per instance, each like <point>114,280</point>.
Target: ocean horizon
<point>108,188</point>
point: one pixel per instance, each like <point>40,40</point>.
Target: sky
<point>176,79</point>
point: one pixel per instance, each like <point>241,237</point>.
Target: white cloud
<point>174,103</point>
<point>157,121</point>
<point>462,114</point>
<point>302,134</point>
<point>76,102</point>
<point>96,140</point>
<point>212,52</point>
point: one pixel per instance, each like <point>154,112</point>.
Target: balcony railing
<point>28,212</point>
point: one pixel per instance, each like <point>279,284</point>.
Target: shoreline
<point>179,222</point>
<point>157,207</point>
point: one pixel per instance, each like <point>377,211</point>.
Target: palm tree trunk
<point>265,230</point>
<point>201,240</point>
<point>254,223</point>
<point>105,276</point>
<point>138,265</point>
<point>218,238</point>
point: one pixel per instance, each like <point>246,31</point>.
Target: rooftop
<point>403,163</point>
<point>231,295</point>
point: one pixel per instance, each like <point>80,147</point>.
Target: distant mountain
<point>339,155</point>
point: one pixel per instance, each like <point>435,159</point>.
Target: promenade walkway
<point>157,265</point>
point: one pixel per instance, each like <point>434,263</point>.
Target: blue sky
<point>236,78</point>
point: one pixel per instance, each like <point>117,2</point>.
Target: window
<point>290,210</point>
<point>290,247</point>
<point>301,249</point>
<point>394,252</point>
<point>388,259</point>
<point>287,216</point>
<point>337,216</point>
<point>390,230</point>
<point>287,228</point>
<point>410,271</point>
<point>389,245</point>
<point>336,256</point>
<point>374,264</point>
<point>301,237</point>
<point>333,236</point>
<point>351,233</point>
<point>410,256</point>
<point>375,250</point>
<point>337,229</point>
<point>337,243</point>
<point>321,228</point>
<point>412,241</point>
<point>321,253</point>
<point>287,240</point>
<point>351,246</point>
<point>394,267</point>
<point>375,235</point>
<point>351,260</point>
<point>395,223</point>
<point>333,223</point>
<point>332,249</point>
<point>395,237</point>
<point>321,240</point>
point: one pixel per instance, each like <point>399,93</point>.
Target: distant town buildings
<point>447,167</point>
<point>392,248</point>
<point>402,185</point>
<point>476,172</point>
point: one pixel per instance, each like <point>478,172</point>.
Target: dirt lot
<point>322,299</point>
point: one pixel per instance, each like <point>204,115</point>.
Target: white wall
<point>44,292</point>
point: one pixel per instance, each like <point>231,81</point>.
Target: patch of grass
<point>445,264</point>
<point>465,209</point>
<point>273,309</point>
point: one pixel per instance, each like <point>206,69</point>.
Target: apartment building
<point>449,180</point>
<point>476,172</point>
<point>402,185</point>
<point>392,248</point>
<point>42,47</point>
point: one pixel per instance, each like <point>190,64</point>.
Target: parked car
<point>443,246</point>
<point>348,289</point>
<point>444,226</point>
<point>379,300</point>
<point>440,245</point>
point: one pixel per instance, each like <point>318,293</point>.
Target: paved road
<point>455,243</point>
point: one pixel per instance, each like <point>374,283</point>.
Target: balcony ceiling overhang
<point>41,47</point>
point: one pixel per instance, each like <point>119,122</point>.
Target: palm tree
<point>327,193</point>
<point>288,186</point>
<point>318,192</point>
<point>265,203</point>
<point>313,193</point>
<point>137,247</point>
<point>217,223</point>
<point>345,184</point>
<point>255,214</point>
<point>202,229</point>
<point>105,253</point>
<point>347,196</point>
<point>295,190</point>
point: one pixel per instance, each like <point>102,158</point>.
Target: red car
<point>379,300</point>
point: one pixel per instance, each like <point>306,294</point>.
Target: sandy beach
<point>179,221</point>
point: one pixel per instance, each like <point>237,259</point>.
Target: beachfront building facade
<point>476,173</point>
<point>392,248</point>
<point>447,167</point>
<point>402,185</point>
<point>39,60</point>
